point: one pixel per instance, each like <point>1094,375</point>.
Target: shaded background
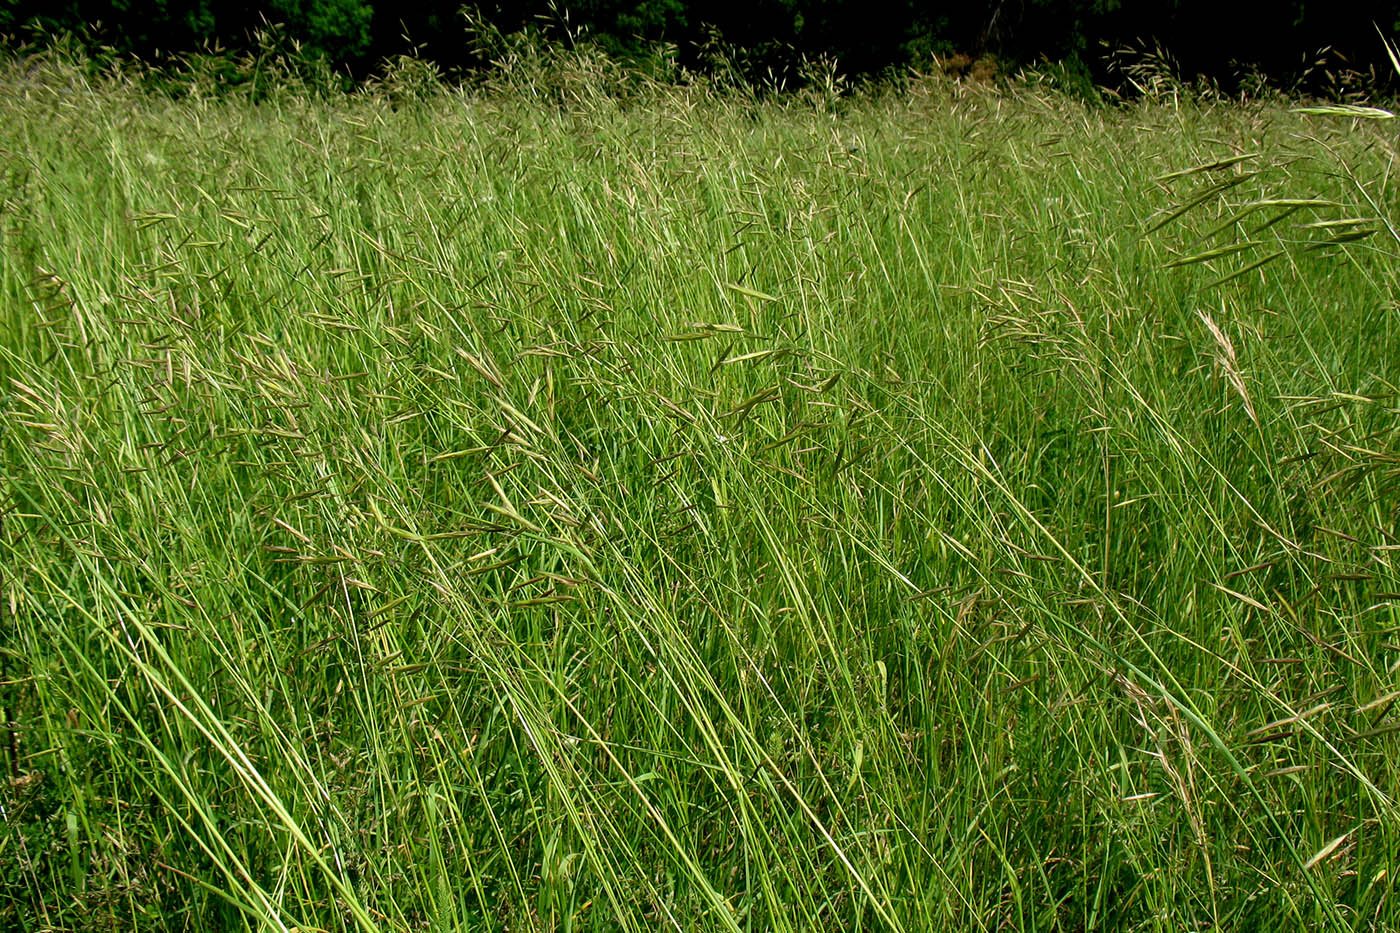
<point>1228,42</point>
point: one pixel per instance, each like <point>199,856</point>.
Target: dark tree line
<point>1221,39</point>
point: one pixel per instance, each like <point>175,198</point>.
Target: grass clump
<point>539,508</point>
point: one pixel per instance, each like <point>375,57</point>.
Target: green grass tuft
<point>591,503</point>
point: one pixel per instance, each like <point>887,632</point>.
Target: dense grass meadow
<point>581,502</point>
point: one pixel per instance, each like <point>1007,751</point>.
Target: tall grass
<point>590,503</point>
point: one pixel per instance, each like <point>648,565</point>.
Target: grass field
<point>584,503</point>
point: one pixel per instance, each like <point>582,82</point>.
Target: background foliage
<point>1282,39</point>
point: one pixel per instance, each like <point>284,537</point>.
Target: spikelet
<point>1229,363</point>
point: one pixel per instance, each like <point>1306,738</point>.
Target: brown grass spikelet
<point>1228,361</point>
